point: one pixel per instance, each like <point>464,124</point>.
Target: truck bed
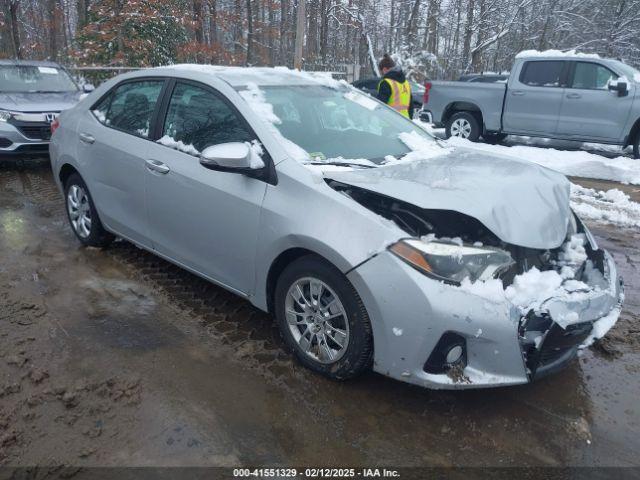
<point>488,97</point>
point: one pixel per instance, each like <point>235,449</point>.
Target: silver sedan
<point>372,245</point>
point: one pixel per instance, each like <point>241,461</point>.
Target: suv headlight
<point>451,262</point>
<point>4,115</point>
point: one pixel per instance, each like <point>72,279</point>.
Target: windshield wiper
<point>341,164</point>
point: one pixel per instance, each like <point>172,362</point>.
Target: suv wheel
<point>636,146</point>
<point>82,214</point>
<point>322,319</point>
<point>464,125</point>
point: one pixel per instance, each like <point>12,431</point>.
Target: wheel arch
<point>634,133</point>
<point>455,107</point>
<point>281,262</point>
<point>65,172</point>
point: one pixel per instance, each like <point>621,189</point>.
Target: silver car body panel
<point>410,312</point>
<point>519,202</point>
<point>302,211</point>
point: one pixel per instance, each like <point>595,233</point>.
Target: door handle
<point>517,93</point>
<point>574,95</point>
<point>157,166</point>
<point>87,138</point>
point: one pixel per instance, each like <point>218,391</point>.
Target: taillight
<point>427,87</point>
<point>54,125</point>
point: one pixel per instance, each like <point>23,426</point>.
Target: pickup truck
<point>548,94</point>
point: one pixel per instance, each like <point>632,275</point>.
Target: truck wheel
<point>636,147</point>
<point>464,125</point>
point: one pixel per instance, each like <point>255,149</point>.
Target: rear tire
<point>636,147</point>
<point>322,319</point>
<point>82,214</point>
<point>463,125</point>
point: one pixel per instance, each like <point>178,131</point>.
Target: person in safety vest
<point>394,89</point>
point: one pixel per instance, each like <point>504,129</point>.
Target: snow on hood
<point>34,102</point>
<point>520,202</point>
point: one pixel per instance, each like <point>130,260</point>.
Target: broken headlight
<point>451,262</point>
<point>5,115</point>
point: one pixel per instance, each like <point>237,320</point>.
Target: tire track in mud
<point>252,334</point>
<point>222,315</point>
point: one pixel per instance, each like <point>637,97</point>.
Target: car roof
<point>30,63</point>
<point>239,77</point>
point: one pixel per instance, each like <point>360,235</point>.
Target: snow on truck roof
<point>556,54</point>
<point>261,76</point>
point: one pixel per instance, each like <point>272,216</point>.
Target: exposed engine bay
<point>448,224</point>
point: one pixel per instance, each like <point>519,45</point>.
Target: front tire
<point>322,319</point>
<point>82,214</point>
<point>463,125</point>
<point>636,146</point>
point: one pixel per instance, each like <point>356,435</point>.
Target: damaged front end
<point>472,333</point>
<point>552,331</point>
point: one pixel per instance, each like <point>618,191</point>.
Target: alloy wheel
<point>461,128</point>
<point>79,210</point>
<point>317,320</point>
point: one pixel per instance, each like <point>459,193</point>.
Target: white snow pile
<point>572,163</point>
<point>256,155</point>
<point>532,289</point>
<point>555,53</point>
<point>257,102</point>
<point>168,141</point>
<point>99,115</point>
<point>613,206</point>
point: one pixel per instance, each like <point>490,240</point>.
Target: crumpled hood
<point>38,102</point>
<point>520,202</point>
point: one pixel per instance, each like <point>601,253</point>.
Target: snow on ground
<point>612,206</point>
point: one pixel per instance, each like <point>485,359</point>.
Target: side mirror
<point>88,88</point>
<point>234,156</point>
<point>617,86</point>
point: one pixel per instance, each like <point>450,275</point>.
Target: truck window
<point>546,73</point>
<point>592,76</point>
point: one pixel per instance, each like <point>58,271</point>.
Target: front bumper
<point>24,138</point>
<point>410,313</point>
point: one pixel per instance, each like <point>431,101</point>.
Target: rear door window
<point>542,73</point>
<point>197,118</point>
<point>592,76</point>
<point>130,107</point>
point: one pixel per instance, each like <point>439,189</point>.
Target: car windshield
<point>332,123</point>
<point>31,78</point>
<point>628,71</point>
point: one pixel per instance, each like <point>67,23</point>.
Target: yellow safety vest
<point>400,98</point>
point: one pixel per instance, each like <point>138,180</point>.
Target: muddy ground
<point>116,357</point>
